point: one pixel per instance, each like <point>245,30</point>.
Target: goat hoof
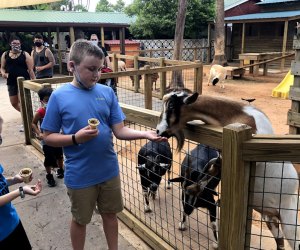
<point>147,209</point>
<point>215,245</point>
<point>181,226</point>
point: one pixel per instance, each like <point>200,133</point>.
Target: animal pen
<point>239,225</point>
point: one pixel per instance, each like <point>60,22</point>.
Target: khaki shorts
<point>106,195</point>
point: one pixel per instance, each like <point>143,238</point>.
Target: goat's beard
<point>179,135</point>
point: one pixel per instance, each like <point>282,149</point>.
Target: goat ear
<point>191,99</point>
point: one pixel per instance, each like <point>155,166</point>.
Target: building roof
<point>258,17</point>
<point>63,18</point>
<point>229,4</point>
<point>276,1</point>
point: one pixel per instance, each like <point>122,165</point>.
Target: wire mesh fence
<point>167,209</point>
<point>271,192</point>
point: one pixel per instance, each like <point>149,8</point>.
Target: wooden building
<point>261,26</point>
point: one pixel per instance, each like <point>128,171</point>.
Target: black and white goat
<point>275,196</point>
<point>217,74</point>
<point>199,178</point>
<point>154,160</point>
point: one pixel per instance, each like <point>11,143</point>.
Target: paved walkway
<point>46,217</point>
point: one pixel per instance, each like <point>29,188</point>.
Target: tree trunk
<point>177,80</point>
<point>220,57</point>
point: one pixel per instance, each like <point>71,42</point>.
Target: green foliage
<point>104,6</point>
<point>119,6</point>
<point>56,6</point>
<point>157,18</point>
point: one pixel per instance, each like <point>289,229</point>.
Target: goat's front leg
<point>274,226</point>
<point>147,208</point>
<point>169,183</point>
<point>212,208</point>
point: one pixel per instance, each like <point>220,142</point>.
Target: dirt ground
<point>260,88</point>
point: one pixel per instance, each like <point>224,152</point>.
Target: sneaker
<point>60,173</point>
<point>50,180</point>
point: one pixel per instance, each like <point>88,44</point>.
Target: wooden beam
<point>285,34</point>
<point>102,36</point>
<point>243,38</point>
<point>122,40</point>
<point>72,35</point>
<point>59,50</point>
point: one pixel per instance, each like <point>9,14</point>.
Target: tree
<point>119,6</point>
<point>177,80</point>
<point>104,6</point>
<point>220,57</point>
<point>156,18</point>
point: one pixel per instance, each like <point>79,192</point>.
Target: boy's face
<point>45,101</point>
<point>89,70</point>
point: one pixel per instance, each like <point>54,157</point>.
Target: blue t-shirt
<point>69,109</point>
<point>9,218</point>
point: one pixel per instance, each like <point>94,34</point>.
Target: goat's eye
<point>171,105</point>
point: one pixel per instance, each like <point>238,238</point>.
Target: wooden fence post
<point>24,109</point>
<point>163,78</point>
<point>234,188</point>
<point>115,62</point>
<point>148,89</point>
<point>198,78</point>
<point>136,78</point>
<point>293,117</point>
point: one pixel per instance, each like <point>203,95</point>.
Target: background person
<point>53,155</point>
<point>94,39</point>
<point>43,58</point>
<point>12,233</point>
<point>16,63</point>
<point>91,164</point>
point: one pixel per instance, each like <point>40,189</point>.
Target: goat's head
<point>171,122</point>
<point>212,168</point>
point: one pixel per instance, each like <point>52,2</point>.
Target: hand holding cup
<point>26,174</point>
<point>93,123</point>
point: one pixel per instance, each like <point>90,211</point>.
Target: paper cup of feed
<point>26,173</point>
<point>93,122</point>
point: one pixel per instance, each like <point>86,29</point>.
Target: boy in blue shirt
<point>91,165</point>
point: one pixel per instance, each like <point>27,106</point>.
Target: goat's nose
<point>157,131</point>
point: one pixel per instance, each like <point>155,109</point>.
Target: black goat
<point>154,160</point>
<point>200,175</point>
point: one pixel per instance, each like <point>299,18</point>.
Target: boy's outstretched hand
<point>153,136</point>
<point>33,189</point>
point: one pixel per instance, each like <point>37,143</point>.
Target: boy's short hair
<point>45,92</point>
<point>82,48</point>
<point>38,36</point>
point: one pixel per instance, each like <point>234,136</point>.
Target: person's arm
<point>60,140</point>
<point>51,63</point>
<point>3,63</point>
<point>108,63</point>
<point>125,133</point>
<point>29,63</point>
<point>28,189</point>
<point>34,124</point>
